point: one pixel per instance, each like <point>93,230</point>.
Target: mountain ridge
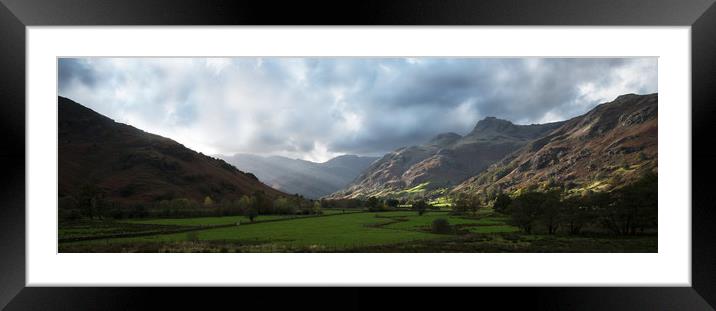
<point>134,166</point>
<point>445,160</point>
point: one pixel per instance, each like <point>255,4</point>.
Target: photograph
<point>245,151</point>
<point>357,154</point>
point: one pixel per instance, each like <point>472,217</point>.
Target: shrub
<point>441,226</point>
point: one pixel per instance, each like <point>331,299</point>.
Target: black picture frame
<point>16,15</point>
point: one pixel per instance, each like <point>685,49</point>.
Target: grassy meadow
<point>334,231</point>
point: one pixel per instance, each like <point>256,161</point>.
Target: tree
<point>246,203</point>
<point>231,207</point>
<point>525,210</point>
<point>474,204</point>
<point>633,208</point>
<point>576,212</point>
<point>460,204</point>
<point>374,204</point>
<point>283,206</point>
<point>252,213</point>
<point>208,202</point>
<point>262,204</point>
<point>91,200</point>
<point>549,212</point>
<point>465,203</point>
<point>67,208</point>
<point>646,191</point>
<point>502,203</point>
<point>316,210</point>
<point>420,206</point>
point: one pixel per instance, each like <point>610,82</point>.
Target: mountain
<point>611,145</point>
<point>444,161</point>
<point>133,166</point>
<point>310,179</point>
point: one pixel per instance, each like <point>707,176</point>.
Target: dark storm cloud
<point>70,69</point>
<point>316,108</point>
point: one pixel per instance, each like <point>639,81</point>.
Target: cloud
<point>317,108</point>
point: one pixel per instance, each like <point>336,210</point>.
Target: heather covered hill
<point>446,160</point>
<point>133,166</point>
<point>310,179</point>
<point>606,148</point>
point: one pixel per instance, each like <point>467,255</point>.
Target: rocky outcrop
<point>610,145</point>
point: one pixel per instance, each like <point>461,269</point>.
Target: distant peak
<point>493,120</point>
<point>492,123</point>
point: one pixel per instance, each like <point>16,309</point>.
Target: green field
<point>422,223</point>
<point>213,221</point>
<point>89,228</point>
<point>335,231</point>
<point>326,233</point>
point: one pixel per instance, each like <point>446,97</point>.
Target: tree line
<point>629,210</point>
<point>90,202</point>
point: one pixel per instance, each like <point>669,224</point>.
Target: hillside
<point>133,166</point>
<point>444,161</point>
<point>310,179</point>
<point>609,146</point>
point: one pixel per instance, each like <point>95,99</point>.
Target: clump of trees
<point>374,204</point>
<point>284,206</point>
<point>629,210</point>
<point>89,202</point>
<point>464,204</point>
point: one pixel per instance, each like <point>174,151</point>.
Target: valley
<point>310,179</point>
<point>587,184</point>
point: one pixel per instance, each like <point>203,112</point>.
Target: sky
<point>318,108</point>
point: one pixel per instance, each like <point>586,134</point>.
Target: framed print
<point>436,144</point>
